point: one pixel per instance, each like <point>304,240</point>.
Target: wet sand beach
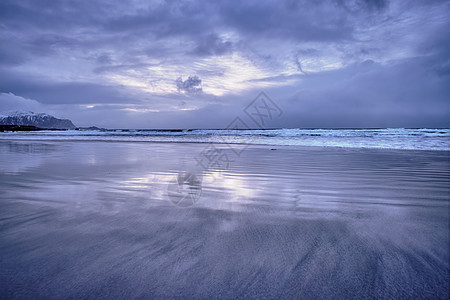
<point>108,220</point>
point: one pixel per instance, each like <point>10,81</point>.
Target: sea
<point>373,138</point>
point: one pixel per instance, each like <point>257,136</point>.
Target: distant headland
<point>30,121</point>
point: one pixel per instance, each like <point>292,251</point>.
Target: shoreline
<point>220,144</point>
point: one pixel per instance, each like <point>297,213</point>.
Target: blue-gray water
<point>383,138</point>
<point>96,220</point>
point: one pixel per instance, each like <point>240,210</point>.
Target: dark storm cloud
<point>38,28</point>
<point>276,20</point>
<point>51,92</point>
<point>10,55</point>
<point>363,4</point>
<point>43,44</point>
<point>51,15</point>
<point>372,95</point>
<point>260,18</point>
<point>42,26</point>
<point>212,45</point>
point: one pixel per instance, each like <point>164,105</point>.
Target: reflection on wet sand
<point>95,219</point>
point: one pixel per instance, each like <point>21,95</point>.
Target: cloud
<point>212,45</point>
<point>370,95</point>
<point>192,85</point>
<point>105,60</point>
<point>50,91</point>
<point>10,102</point>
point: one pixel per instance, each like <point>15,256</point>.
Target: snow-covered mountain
<point>40,120</point>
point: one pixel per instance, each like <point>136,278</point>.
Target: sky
<point>198,64</point>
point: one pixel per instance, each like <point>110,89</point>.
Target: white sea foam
<point>387,138</point>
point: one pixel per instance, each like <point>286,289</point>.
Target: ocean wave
<point>389,138</point>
